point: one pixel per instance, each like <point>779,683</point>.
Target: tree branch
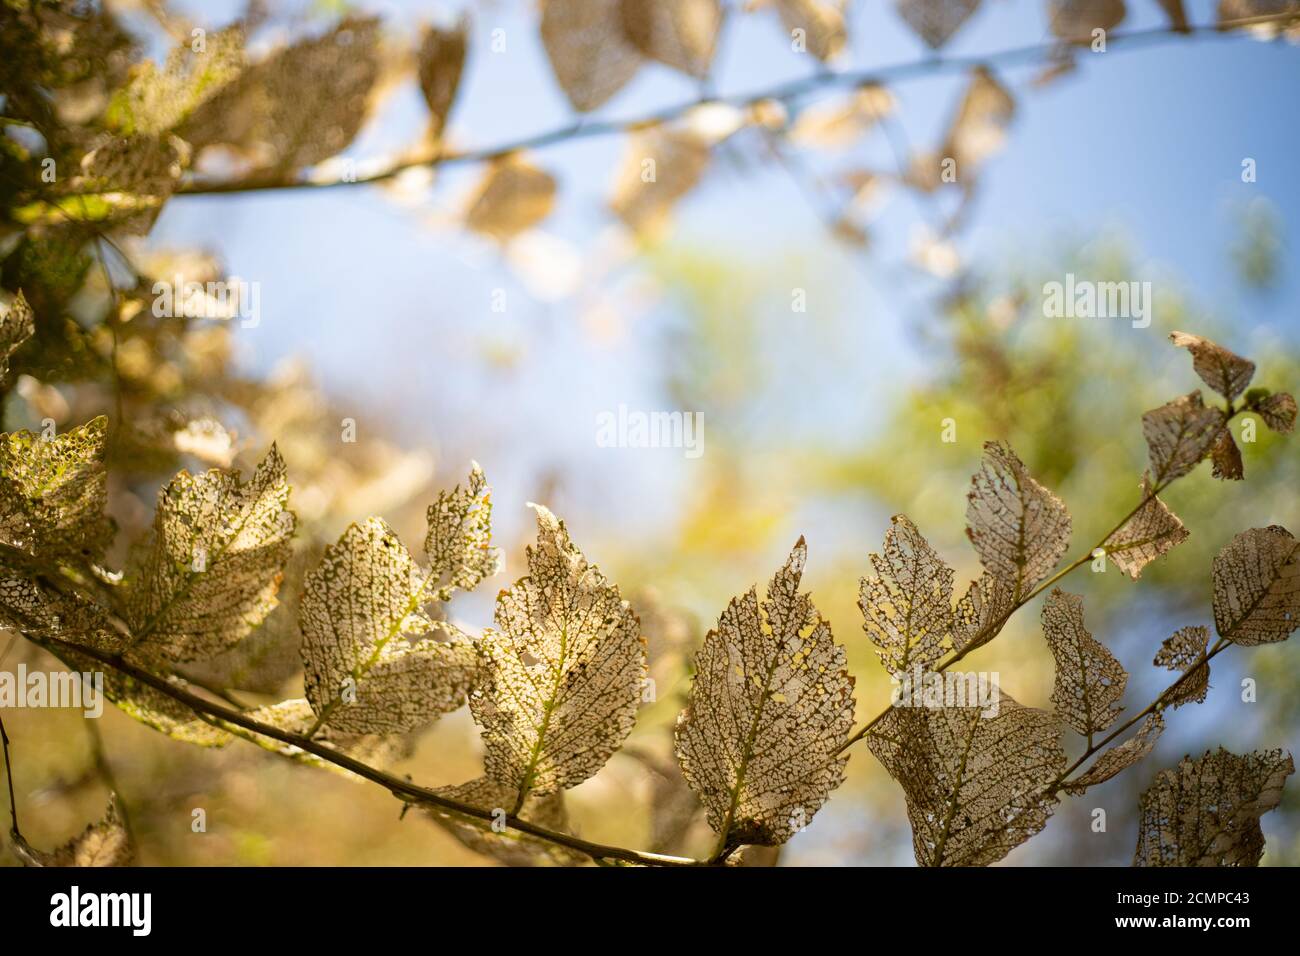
<point>816,83</point>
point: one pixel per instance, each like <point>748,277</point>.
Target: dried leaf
<point>682,34</point>
<point>1074,20</point>
<point>53,492</point>
<point>1153,530</point>
<point>770,709</point>
<point>840,123</point>
<point>300,105</point>
<point>105,843</point>
<point>560,678</point>
<point>361,673</point>
<point>16,326</point>
<point>1183,651</point>
<point>1205,812</point>
<point>159,99</point>
<point>935,21</point>
<point>974,784</point>
<point>661,166</point>
<point>1233,10</point>
<point>1019,528</point>
<point>1179,436</point>
<point>1225,457</point>
<point>1225,372</point>
<point>440,62</point>
<point>508,846</point>
<point>43,614</point>
<point>1177,15</point>
<point>1278,411</point>
<point>907,607</point>
<point>1121,756</point>
<point>588,49</point>
<point>819,23</point>
<point>459,541</point>
<point>514,196</point>
<point>979,129</point>
<point>981,612</point>
<point>211,569</point>
<point>1089,680</point>
<point>1257,587</point>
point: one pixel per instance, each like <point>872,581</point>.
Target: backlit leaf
<point>1119,757</point>
<point>979,130</point>
<point>682,34</point>
<point>770,708</point>
<point>440,62</point>
<point>1089,680</point>
<point>1180,435</point>
<point>560,678</point>
<point>1277,410</point>
<point>1224,371</point>
<point>513,196</point>
<point>1225,457</point>
<point>503,844</point>
<point>819,23</point>
<point>588,49</point>
<point>1075,20</point>
<point>459,541</point>
<point>1205,812</point>
<point>1184,651</point>
<point>16,326</point>
<point>981,612</point>
<point>105,843</point>
<point>660,167</point>
<point>1152,531</point>
<point>1257,586</point>
<point>1019,528</point>
<point>907,607</point>
<point>935,21</point>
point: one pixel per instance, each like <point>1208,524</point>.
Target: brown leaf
<point>935,21</point>
<point>1019,528</point>
<point>981,612</point>
<point>907,607</point>
<point>770,709</point>
<point>1074,20</point>
<point>1089,680</point>
<point>1225,457</point>
<point>1180,435</point>
<point>974,784</point>
<point>1224,371</point>
<point>440,62</point>
<point>503,844</point>
<point>1257,587</point>
<point>979,129</point>
<point>105,843</point>
<point>682,34</point>
<point>1231,10</point>
<point>514,196</point>
<point>1278,411</point>
<point>1177,15</point>
<point>1183,651</point>
<point>588,49</point>
<point>1153,531</point>
<point>16,327</point>
<point>661,166</point>
<point>1120,756</point>
<point>1205,812</point>
<point>820,22</point>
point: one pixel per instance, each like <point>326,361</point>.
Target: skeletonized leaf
<point>1089,680</point>
<point>907,607</point>
<point>514,196</point>
<point>1277,410</point>
<point>158,99</point>
<point>588,49</point>
<point>981,612</point>
<point>1183,651</point>
<point>979,129</point>
<point>1257,586</point>
<point>1074,20</point>
<point>1019,528</point>
<point>105,843</point>
<point>661,166</point>
<point>1121,756</point>
<point>816,26</point>
<point>1224,371</point>
<point>935,21</point>
<point>1205,812</point>
<point>1225,457</point>
<point>359,606</point>
<point>210,571</point>
<point>53,492</point>
<point>770,709</point>
<point>508,846</point>
<point>17,325</point>
<point>459,541</point>
<point>973,783</point>
<point>41,613</point>
<point>1179,435</point>
<point>1154,530</point>
<point>839,123</point>
<point>302,104</point>
<point>439,64</point>
<point>559,680</point>
<point>682,34</point>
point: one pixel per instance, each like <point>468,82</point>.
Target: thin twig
<point>815,83</point>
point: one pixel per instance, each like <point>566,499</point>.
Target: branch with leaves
<point>555,684</point>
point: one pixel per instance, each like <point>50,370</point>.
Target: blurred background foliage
<point>822,422</point>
